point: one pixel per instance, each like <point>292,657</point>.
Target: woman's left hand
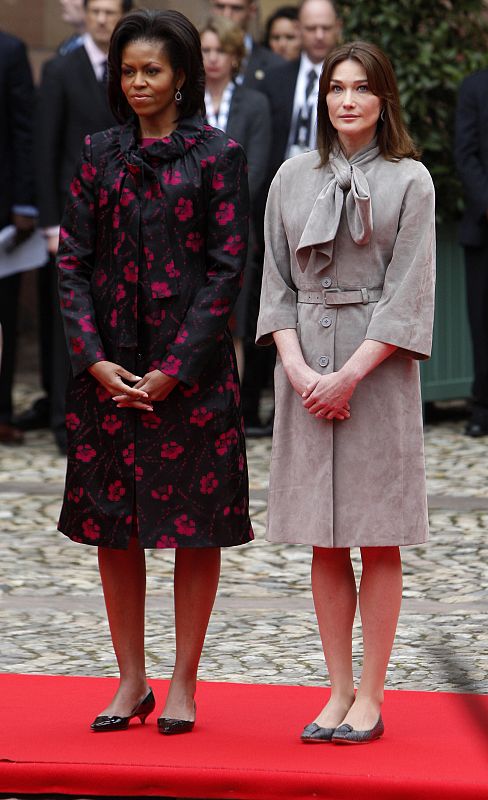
<point>329,397</point>
<point>157,384</point>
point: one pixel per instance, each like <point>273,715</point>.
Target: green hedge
<point>433,45</point>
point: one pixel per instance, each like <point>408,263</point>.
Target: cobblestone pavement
<point>263,628</point>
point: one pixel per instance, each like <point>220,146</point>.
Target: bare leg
<point>335,598</point>
<point>196,580</point>
<point>123,574</point>
<point>380,597</point>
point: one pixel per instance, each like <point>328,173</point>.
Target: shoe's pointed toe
<point>105,723</point>
<point>314,733</point>
<point>346,734</point>
<point>169,726</point>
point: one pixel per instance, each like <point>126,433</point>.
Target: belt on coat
<point>340,297</point>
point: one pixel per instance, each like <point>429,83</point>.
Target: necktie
<point>304,119</point>
<point>311,81</point>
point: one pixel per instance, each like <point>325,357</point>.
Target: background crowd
<point>262,90</point>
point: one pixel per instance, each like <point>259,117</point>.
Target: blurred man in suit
<point>73,13</point>
<point>292,88</point>
<point>471,150</point>
<point>258,59</point>
<point>16,201</point>
<point>72,103</point>
<point>292,92</point>
<point>38,414</point>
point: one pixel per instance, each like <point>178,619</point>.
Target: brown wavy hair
<point>394,140</point>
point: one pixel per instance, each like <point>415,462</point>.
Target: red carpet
<point>245,745</point>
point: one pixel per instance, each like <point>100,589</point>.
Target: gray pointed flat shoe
<point>314,733</point>
<point>345,734</point>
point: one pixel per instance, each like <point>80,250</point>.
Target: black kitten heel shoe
<point>168,726</point>
<point>142,710</point>
<point>345,734</point>
<point>314,734</point>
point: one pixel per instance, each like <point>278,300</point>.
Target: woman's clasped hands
<point>327,396</point>
<point>154,385</point>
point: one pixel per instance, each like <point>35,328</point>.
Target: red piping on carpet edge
<point>213,784</point>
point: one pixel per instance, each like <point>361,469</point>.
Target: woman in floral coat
<point>152,247</point>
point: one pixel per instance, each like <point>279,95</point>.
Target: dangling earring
<point>178,97</point>
<point>382,115</point>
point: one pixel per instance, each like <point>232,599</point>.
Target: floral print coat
<point>152,247</point>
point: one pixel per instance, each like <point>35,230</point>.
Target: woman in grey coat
<point>348,297</point>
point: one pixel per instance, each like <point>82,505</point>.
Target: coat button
<point>326,282</point>
<point>326,322</point>
<point>323,361</point>
<point>139,356</point>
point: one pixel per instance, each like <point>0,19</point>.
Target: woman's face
<point>353,109</point>
<point>219,65</point>
<point>284,38</point>
<point>148,80</point>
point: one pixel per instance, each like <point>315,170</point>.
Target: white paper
<point>30,254</point>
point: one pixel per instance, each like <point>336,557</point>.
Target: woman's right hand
<point>111,376</point>
<point>303,377</point>
<point>300,375</point>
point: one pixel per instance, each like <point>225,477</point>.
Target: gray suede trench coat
<point>350,255</point>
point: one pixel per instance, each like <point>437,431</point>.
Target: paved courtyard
<point>263,628</point>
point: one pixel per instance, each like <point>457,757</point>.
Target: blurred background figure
<point>257,58</point>
<point>282,33</point>
<point>16,201</point>
<point>292,92</point>
<point>292,88</point>
<point>38,415</point>
<point>472,164</point>
<point>72,103</point>
<point>73,13</point>
<point>244,115</point>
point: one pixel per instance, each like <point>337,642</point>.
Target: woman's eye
<point>336,89</point>
<point>363,88</point>
<point>152,71</point>
<point>126,71</point>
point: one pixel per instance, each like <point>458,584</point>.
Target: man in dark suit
<point>16,201</point>
<point>471,150</point>
<point>258,59</point>
<point>292,88</point>
<point>72,103</point>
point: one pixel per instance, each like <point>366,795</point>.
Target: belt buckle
<point>334,289</point>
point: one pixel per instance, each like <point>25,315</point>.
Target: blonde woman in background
<point>244,115</point>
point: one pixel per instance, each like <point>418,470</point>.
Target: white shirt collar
<point>97,57</point>
<point>306,65</point>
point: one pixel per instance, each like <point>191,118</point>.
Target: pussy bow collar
<point>347,182</point>
<point>188,133</point>
<point>142,209</point>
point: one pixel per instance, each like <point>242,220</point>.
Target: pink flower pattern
<point>225,213</point>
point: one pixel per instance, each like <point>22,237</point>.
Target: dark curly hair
<point>179,40</point>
